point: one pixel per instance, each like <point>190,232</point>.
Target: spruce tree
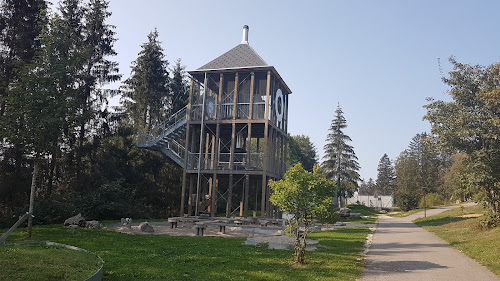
<point>21,22</point>
<point>340,162</point>
<point>146,93</point>
<point>385,176</point>
<point>98,38</point>
<point>179,88</point>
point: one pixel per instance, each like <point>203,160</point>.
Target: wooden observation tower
<point>235,130</point>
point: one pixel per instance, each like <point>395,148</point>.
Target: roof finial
<point>245,35</point>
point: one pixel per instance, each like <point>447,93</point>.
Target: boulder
<point>344,212</point>
<point>94,224</point>
<point>355,216</point>
<point>126,222</point>
<point>76,220</point>
<point>146,227</point>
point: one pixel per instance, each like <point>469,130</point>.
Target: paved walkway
<point>401,250</point>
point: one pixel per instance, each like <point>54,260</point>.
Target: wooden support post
<point>212,153</point>
<point>186,151</point>
<point>246,186</point>
<point>210,190</point>
<point>213,196</point>
<point>229,196</point>
<point>265,150</point>
<point>207,145</point>
<point>190,200</point>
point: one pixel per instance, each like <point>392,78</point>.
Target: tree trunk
<point>32,195</point>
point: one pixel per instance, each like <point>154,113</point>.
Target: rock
<point>355,216</point>
<point>76,220</point>
<point>94,224</point>
<point>126,222</point>
<point>73,226</point>
<point>344,212</point>
<point>146,227</point>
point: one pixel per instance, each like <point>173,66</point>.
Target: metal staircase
<point>166,136</point>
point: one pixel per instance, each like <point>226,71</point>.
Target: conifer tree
<point>21,22</point>
<point>179,88</point>
<point>147,92</point>
<point>385,176</point>
<point>340,162</point>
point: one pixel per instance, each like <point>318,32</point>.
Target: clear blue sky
<point>378,59</point>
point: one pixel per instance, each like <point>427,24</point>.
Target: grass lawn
<point>161,257</point>
<point>31,262</point>
<point>481,245</point>
<point>364,211</point>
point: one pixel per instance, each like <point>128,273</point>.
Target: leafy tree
<point>21,22</point>
<point>385,176</point>
<point>455,180</point>
<point>302,150</point>
<point>471,124</point>
<point>341,163</point>
<point>179,87</point>
<point>146,92</point>
<point>304,195</point>
<point>41,102</point>
<point>420,166</point>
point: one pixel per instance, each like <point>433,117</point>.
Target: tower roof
<point>241,56</point>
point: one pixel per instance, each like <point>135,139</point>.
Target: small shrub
<point>431,200</point>
<point>489,221</point>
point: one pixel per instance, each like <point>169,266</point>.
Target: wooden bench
<point>173,222</point>
<point>200,228</point>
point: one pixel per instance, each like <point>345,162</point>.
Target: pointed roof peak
<point>240,56</point>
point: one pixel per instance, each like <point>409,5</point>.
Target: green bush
<point>328,216</point>
<point>406,199</point>
<point>489,221</point>
<point>431,200</point>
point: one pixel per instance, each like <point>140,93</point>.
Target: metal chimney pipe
<point>245,35</point>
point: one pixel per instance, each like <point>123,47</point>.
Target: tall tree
<point>21,22</point>
<point>385,176</point>
<point>98,41</point>
<point>420,168</point>
<point>179,87</point>
<point>470,124</point>
<point>41,102</point>
<point>146,92</point>
<point>302,150</point>
<point>341,163</point>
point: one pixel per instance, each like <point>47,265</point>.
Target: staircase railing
<point>147,138</point>
<point>176,148</point>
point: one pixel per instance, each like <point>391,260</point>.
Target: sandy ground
<point>189,229</point>
<point>273,236</point>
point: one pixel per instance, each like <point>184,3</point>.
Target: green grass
<point>364,211</point>
<point>46,263</point>
<point>161,257</point>
<point>461,233</point>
